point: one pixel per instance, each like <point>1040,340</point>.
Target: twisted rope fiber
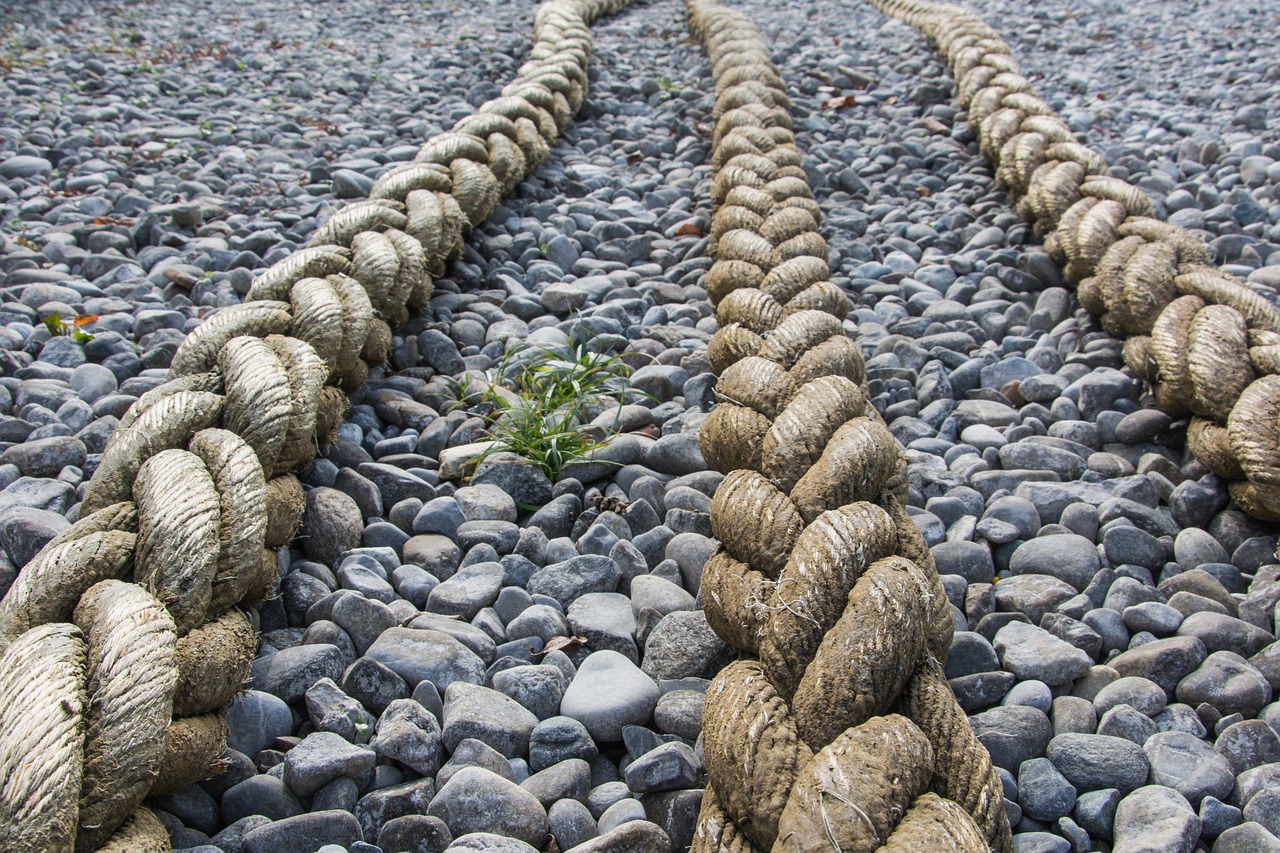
<point>111,691</point>
<point>836,730</point>
<point>1207,344</point>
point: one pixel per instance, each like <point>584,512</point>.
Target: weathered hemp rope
<point>1208,345</point>
<point>836,731</point>
<point>111,691</point>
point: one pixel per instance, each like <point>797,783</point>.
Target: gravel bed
<point>410,692</point>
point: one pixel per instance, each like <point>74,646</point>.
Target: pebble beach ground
<point>1115,614</point>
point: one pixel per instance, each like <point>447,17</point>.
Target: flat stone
<point>1264,808</point>
<point>493,718</point>
<point>679,712</point>
<point>473,753</point>
<point>1123,721</point>
<point>1225,633</point>
<point>435,553</point>
<point>259,795</point>
<point>556,739</point>
<point>607,620</point>
<point>523,480</point>
<point>1031,595</point>
<point>419,654</point>
<point>305,833</point>
<point>1092,762</point>
<point>322,757</point>
<point>970,560</point>
<point>1095,812</point>
<point>1066,556</point>
<point>488,842</point>
<point>486,502</point>
<point>468,591</point>
<point>1248,744</point>
<point>331,525</point>
<point>538,688</point>
<point>659,594</point>
<point>571,823</point>
<point>332,710</point>
<point>1033,653</point>
<point>565,581</point>
<point>671,766</point>
<point>45,457</point>
<point>414,833</point>
<point>1141,694</point>
<point>24,531</point>
<point>290,672</point>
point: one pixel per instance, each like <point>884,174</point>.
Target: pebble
<point>1190,766</point>
<point>682,645</point>
<point>304,833</point>
<point>491,717</point>
<point>476,800</point>
<point>1249,837</point>
<point>425,655</point>
<point>1093,762</point>
<point>1155,818</point>
<point>321,757</point>
<point>1033,493</point>
<point>409,734</point>
<point>1043,792</point>
<point>609,692</point>
<point>1013,734</point>
<point>1227,682</point>
<point>1033,653</point>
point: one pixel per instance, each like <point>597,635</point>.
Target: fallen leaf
<point>841,102</point>
<point>179,278</point>
<point>85,319</point>
<point>564,644</point>
<point>688,230</point>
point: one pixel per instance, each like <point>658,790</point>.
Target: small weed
<point>668,86</point>
<point>540,401</point>
<point>58,327</point>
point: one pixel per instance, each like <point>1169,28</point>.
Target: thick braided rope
<point>111,691</point>
<point>836,731</point>
<point>1208,345</point>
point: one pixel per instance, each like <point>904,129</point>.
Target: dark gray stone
<point>1012,734</point>
<point>305,833</point>
<point>1092,762</point>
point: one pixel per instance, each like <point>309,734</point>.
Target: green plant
<point>666,84</point>
<point>58,327</point>
<point>540,401</point>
